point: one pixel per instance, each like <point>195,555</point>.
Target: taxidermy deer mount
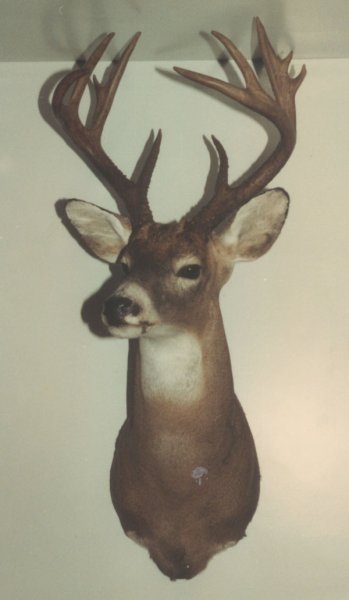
<point>185,476</point>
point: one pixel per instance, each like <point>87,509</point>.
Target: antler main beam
<point>280,110</point>
<point>88,139</point>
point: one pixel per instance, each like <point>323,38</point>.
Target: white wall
<point>63,388</point>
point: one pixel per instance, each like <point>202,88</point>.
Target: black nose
<point>116,308</point>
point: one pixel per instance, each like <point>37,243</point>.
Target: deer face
<point>173,272</point>
<point>166,271</point>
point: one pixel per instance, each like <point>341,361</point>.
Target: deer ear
<point>256,226</point>
<point>104,233</point>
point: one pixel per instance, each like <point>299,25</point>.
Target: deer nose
<point>116,308</point>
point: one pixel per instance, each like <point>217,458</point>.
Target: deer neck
<point>171,368</point>
<point>185,368</point>
<point>182,400</point>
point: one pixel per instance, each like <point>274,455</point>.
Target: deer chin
<point>131,331</point>
<point>143,329</point>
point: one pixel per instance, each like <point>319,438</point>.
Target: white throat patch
<point>171,367</point>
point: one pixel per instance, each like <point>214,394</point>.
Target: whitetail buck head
<point>173,272</point>
<point>186,443</point>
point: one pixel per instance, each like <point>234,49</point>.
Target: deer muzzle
<point>117,309</point>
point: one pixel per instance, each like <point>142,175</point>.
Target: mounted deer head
<point>185,476</point>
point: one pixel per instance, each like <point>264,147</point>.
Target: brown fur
<point>182,411</point>
<point>158,502</point>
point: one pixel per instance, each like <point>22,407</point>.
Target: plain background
<point>63,387</point>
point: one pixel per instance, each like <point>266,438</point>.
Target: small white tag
<point>198,474</point>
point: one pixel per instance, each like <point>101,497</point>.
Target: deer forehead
<point>164,245</point>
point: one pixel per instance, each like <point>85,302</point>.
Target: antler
<point>280,110</point>
<point>88,139</point>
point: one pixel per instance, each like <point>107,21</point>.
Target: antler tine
<point>241,95</point>
<point>283,86</point>
<point>88,138</point>
<point>105,93</point>
<point>80,78</point>
<point>280,110</point>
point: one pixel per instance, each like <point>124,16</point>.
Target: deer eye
<point>189,272</point>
